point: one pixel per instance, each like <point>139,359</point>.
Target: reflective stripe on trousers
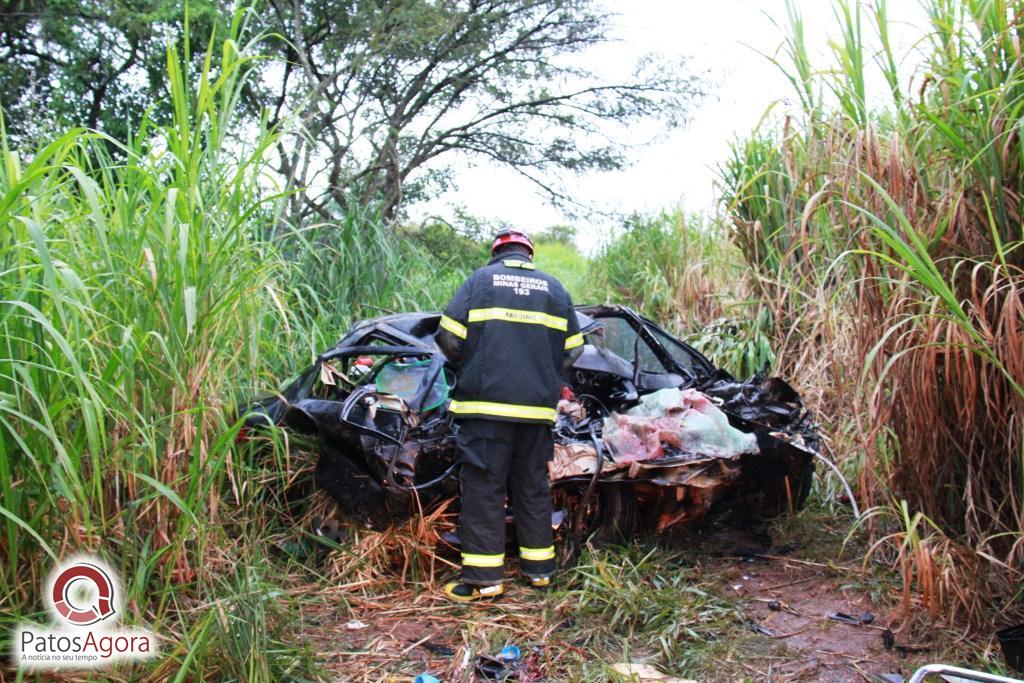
<point>537,554</point>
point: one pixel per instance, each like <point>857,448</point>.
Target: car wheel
<point>610,517</point>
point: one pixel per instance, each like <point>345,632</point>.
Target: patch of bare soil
<point>832,632</point>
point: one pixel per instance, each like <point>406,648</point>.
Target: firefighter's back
<point>518,323</point>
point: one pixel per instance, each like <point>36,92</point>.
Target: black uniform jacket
<point>516,324</point>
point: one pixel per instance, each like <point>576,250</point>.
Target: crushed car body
<point>650,434</point>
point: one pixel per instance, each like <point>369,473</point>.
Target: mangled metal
<point>649,433</point>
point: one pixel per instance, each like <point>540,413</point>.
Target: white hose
<point>846,485</point>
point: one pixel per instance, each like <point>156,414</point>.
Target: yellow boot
<point>467,592</point>
<point>539,581</point>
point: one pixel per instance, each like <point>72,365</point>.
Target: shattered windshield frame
<point>672,354</point>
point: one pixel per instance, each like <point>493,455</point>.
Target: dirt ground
<point>782,596</point>
<point>792,602</point>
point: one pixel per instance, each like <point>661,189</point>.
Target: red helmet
<point>511,237</point>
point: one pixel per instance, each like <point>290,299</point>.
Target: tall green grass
<point>134,303</point>
<point>146,289</point>
<point>360,267</point>
<point>641,599</point>
<point>564,260</point>
<point>888,234</point>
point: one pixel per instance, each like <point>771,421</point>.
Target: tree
<point>94,63</point>
<point>388,88</point>
<point>379,94</point>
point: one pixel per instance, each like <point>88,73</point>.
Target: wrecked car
<point>650,434</point>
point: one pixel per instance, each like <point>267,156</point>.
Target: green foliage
<point>371,97</point>
<point>94,63</point>
<point>360,267</point>
<point>742,346</point>
<point>426,79</point>
<point>136,307</point>
<point>687,274</point>
<point>643,265</point>
<point>141,299</point>
<point>465,247</point>
<point>647,599</point>
<point>565,262</point>
<point>886,237</point>
<point>563,234</point>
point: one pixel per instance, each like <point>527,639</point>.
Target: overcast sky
<point>676,168</point>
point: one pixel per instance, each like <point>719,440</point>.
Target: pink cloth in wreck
<point>686,420</point>
<point>633,439</point>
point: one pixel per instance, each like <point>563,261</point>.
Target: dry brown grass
<point>889,249</point>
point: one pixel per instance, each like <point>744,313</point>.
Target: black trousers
<point>499,457</point>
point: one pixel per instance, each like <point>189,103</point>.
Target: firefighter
<point>511,330</point>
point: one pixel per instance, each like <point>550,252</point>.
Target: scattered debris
<point>862,620</point>
<point>355,625</point>
<point>328,528</point>
<point>687,421</point>
<point>887,678</point>
<point>439,650</point>
<point>503,666</point>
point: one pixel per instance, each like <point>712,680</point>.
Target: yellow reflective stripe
<point>574,341</point>
<point>470,560</point>
<point>502,410</point>
<point>516,315</point>
<point>453,326</point>
<point>537,554</point>
<point>525,265</point>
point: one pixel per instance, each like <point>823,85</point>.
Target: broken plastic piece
<point>405,379</point>
<point>439,650</point>
<point>888,639</point>
<point>328,528</point>
<point>645,672</point>
<point>504,666</point>
<point>950,673</point>
<point>510,654</point>
<point>493,669</point>
<point>843,618</point>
